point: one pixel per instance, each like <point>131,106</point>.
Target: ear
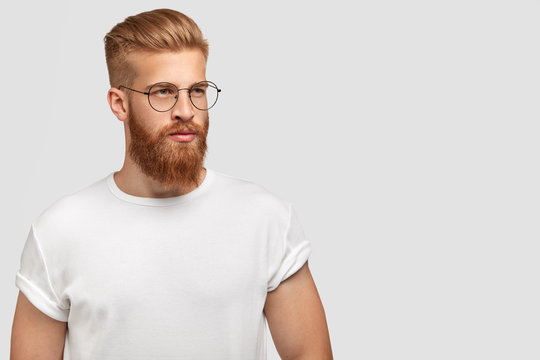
<point>118,102</point>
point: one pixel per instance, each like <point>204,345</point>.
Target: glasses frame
<point>147,93</point>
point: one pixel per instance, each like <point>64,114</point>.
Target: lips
<point>184,138</point>
<point>183,132</point>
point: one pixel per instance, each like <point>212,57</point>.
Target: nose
<point>183,109</point>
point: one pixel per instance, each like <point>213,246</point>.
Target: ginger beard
<point>173,164</point>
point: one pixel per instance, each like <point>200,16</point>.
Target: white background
<point>404,132</point>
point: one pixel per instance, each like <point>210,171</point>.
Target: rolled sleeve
<point>291,253</point>
<point>34,282</point>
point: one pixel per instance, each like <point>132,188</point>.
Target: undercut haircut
<point>153,31</point>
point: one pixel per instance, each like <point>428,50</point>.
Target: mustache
<point>183,128</point>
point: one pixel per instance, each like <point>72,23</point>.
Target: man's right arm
<point>35,335</point>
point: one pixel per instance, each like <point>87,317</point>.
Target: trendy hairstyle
<point>156,30</point>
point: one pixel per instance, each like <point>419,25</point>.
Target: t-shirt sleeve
<point>34,282</point>
<point>290,253</point>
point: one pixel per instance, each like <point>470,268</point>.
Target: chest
<point>153,270</point>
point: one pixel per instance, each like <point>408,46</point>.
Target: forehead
<point>180,67</point>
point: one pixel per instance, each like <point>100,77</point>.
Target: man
<point>166,258</point>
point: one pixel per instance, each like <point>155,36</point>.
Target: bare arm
<point>296,319</point>
<point>35,335</point>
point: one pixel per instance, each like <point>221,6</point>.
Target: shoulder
<point>251,194</point>
<point>67,211</point>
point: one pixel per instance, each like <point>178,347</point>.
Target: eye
<point>163,90</point>
<point>198,91</point>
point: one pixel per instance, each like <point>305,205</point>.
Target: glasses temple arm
<point>142,92</point>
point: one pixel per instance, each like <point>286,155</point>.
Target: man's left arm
<point>296,319</point>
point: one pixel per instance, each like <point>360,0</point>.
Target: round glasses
<point>162,96</point>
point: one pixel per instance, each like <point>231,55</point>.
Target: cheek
<point>203,119</point>
<point>143,124</point>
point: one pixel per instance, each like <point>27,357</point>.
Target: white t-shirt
<point>178,278</point>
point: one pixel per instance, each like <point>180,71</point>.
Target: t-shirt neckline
<point>149,201</point>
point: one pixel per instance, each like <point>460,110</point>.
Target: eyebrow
<point>147,87</point>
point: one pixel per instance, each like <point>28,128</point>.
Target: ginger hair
<point>155,31</point>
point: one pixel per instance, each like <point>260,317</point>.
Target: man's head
<point>159,46</point>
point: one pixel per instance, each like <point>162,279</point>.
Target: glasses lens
<point>204,95</point>
<point>163,96</point>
